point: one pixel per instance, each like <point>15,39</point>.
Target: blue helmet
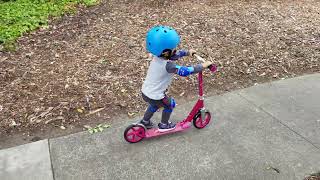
<point>160,38</point>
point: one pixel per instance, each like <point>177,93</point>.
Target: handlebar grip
<point>213,68</point>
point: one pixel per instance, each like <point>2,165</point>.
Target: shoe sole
<point>148,127</point>
<point>165,130</point>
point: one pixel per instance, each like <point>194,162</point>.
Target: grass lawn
<point>21,16</point>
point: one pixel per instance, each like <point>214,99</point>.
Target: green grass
<point>20,16</point>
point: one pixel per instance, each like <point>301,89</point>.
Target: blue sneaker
<point>166,127</point>
<point>147,124</point>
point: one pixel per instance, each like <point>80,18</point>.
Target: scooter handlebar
<point>213,67</point>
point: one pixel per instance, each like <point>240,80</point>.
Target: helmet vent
<point>157,30</point>
<point>165,31</point>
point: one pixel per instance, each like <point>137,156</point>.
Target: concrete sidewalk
<point>269,131</point>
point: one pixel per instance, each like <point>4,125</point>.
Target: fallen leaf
<point>181,94</point>
<point>103,61</point>
<point>32,118</point>
<point>13,123</point>
<point>79,110</point>
<point>64,103</point>
<point>54,119</point>
<point>284,69</point>
<point>123,104</point>
<point>94,111</point>
<point>28,55</point>
<point>38,121</point>
<point>263,74</point>
<point>131,114</point>
<point>248,71</point>
<point>106,126</point>
<point>272,168</point>
<point>45,112</point>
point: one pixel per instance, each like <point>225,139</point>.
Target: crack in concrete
<point>52,170</point>
<point>282,123</point>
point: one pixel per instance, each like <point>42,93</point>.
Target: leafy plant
<point>98,128</point>
<point>21,16</point>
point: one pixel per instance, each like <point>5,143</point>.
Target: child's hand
<point>192,52</point>
<point>207,64</point>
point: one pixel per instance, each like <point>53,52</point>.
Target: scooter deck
<point>179,127</point>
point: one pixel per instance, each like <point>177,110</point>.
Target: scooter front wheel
<point>134,133</point>
<point>200,123</point>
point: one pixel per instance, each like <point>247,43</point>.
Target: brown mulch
<point>89,67</point>
<point>315,176</point>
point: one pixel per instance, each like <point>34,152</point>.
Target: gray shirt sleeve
<point>171,67</point>
<point>197,68</point>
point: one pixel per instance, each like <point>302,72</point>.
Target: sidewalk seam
<point>251,102</point>
<point>52,170</point>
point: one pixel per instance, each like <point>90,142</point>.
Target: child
<point>161,42</point>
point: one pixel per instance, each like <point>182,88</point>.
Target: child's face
<point>168,54</point>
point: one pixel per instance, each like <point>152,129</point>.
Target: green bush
<point>20,16</point>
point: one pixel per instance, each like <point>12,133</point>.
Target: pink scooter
<point>199,115</point>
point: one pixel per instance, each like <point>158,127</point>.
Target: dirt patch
<point>96,59</point>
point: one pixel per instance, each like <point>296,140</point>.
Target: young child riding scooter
<point>161,42</point>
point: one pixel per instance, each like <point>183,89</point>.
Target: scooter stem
<point>200,80</point>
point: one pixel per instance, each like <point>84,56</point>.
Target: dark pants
<point>167,103</point>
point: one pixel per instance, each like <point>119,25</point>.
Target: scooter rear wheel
<point>201,123</point>
<point>134,133</point>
